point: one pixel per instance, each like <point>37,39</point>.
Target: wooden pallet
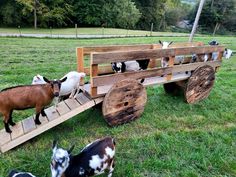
<point>27,129</point>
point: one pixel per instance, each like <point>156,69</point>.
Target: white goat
<point>70,86</point>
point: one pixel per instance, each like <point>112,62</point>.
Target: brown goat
<point>28,96</point>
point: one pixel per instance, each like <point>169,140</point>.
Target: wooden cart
<point>125,96</point>
<point>122,94</point>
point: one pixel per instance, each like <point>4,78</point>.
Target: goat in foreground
<point>15,173</point>
<point>94,159</point>
<point>69,88</point>
<point>28,96</point>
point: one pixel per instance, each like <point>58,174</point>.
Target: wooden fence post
<point>80,62</point>
<point>171,64</point>
<point>93,73</point>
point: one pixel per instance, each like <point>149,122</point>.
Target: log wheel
<point>124,102</point>
<point>200,84</point>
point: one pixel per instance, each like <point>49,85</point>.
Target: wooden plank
<point>102,90</point>
<point>193,66</point>
<point>93,73</point>
<point>81,98</point>
<point>108,57</point>
<point>98,100</point>
<point>4,137</point>
<point>171,64</point>
<point>11,144</point>
<point>17,130</point>
<point>62,108</point>
<point>28,124</point>
<point>51,113</point>
<point>113,48</point>
<point>80,59</point>
<point>112,78</point>
<point>72,103</point>
<point>80,62</point>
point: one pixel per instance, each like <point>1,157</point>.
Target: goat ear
<point>46,80</point>
<point>71,149</point>
<point>170,43</point>
<point>160,42</point>
<point>63,80</point>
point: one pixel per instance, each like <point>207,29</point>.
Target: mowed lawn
<point>87,31</point>
<point>171,138</point>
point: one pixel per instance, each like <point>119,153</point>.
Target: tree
<point>216,13</point>
<point>153,11</point>
<point>110,13</point>
<point>9,13</point>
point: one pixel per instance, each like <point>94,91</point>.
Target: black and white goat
<point>120,67</point>
<point>227,54</point>
<point>15,173</point>
<point>94,159</point>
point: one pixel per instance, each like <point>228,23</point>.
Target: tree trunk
<point>35,14</point>
<point>217,26</point>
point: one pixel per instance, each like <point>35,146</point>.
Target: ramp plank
<point>4,137</point>
<point>82,98</point>
<point>98,100</point>
<point>72,103</point>
<point>51,113</point>
<point>17,130</point>
<point>62,108</point>
<point>28,124</point>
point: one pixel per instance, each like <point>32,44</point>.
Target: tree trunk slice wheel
<point>200,84</point>
<point>124,102</point>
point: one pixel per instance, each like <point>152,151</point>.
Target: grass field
<point>171,138</point>
<point>87,31</point>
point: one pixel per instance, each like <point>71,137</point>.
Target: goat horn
<point>71,149</point>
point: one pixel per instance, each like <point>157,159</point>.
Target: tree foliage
<point>216,14</point>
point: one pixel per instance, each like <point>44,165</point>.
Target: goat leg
<point>8,130</point>
<point>111,168</point>
<point>43,113</point>
<point>10,119</point>
<point>37,121</point>
<point>73,93</point>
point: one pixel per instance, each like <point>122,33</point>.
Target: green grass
<point>92,31</point>
<point>171,138</point>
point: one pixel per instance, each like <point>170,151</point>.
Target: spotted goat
<point>96,158</point>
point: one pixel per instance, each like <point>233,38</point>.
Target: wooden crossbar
<point>113,48</point>
<point>108,57</point>
<point>113,78</point>
<point>26,129</point>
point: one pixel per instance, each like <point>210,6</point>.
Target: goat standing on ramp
<point>94,159</point>
<point>28,96</point>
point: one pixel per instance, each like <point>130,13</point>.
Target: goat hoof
<point>37,122</point>
<point>8,131</point>
<point>12,123</point>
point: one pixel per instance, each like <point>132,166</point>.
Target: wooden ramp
<point>26,129</point>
